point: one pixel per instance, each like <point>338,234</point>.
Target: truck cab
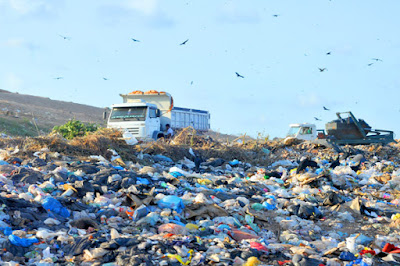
<point>304,131</point>
<point>141,119</point>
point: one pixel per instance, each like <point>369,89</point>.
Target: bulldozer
<point>346,130</point>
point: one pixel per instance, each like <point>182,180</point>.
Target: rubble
<point>97,200</point>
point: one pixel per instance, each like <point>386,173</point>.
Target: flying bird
<point>370,64</point>
<point>275,15</point>
<point>65,37</point>
<point>322,69</point>
<point>58,78</point>
<point>239,76</point>
<point>183,43</point>
<point>191,83</point>
<point>326,109</point>
<point>377,59</point>
<point>316,118</point>
<point>328,53</point>
<point>135,40</point>
<point>105,78</point>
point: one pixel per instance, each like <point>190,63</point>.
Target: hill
<point>26,115</point>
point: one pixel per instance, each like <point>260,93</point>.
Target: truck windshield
<point>128,113</point>
<point>293,131</point>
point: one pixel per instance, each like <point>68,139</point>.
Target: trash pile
<point>309,206</point>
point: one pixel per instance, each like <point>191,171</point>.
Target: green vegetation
<point>23,127</point>
<point>75,128</point>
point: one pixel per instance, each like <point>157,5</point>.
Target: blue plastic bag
<point>22,242</point>
<point>176,174</point>
<point>143,181</point>
<point>234,163</point>
<point>269,206</point>
<point>51,204</point>
<point>6,230</point>
<point>345,255</point>
<point>171,202</point>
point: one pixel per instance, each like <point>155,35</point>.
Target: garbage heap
<point>308,205</point>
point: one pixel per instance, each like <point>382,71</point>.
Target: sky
<point>82,51</point>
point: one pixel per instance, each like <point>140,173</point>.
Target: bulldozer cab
<point>303,131</point>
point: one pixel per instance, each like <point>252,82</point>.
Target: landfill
<point>178,203</point>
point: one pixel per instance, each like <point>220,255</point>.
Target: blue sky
<point>279,57</point>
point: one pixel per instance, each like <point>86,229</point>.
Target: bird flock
<point>136,40</point>
<point>321,69</point>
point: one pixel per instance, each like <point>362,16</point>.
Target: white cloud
<point>13,42</point>
<point>146,12</point>
<point>232,13</point>
<point>309,100</point>
<point>24,6</point>
<point>43,8</point>
<point>20,43</point>
<point>12,82</point>
<point>147,7</point>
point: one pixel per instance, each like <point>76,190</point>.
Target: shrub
<point>74,128</point>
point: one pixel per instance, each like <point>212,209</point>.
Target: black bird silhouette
<point>328,53</point>
<point>370,64</point>
<point>239,76</point>
<point>316,118</point>
<point>326,109</point>
<point>135,40</point>
<point>275,15</point>
<point>58,78</point>
<point>183,43</point>
<point>65,37</point>
<point>105,78</point>
<point>377,59</point>
<point>322,69</point>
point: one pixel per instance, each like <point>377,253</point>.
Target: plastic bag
<point>51,204</point>
<point>140,212</point>
<point>175,229</point>
<point>240,235</point>
<point>22,242</point>
<point>171,202</point>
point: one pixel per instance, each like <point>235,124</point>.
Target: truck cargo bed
<point>185,117</point>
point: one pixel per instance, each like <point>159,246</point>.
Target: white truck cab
<point>304,131</point>
<point>141,119</point>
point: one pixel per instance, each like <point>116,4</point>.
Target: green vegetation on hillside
<point>23,127</point>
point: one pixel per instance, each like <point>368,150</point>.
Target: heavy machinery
<point>342,131</point>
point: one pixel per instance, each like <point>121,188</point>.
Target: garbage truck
<point>144,115</point>
<point>346,130</point>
